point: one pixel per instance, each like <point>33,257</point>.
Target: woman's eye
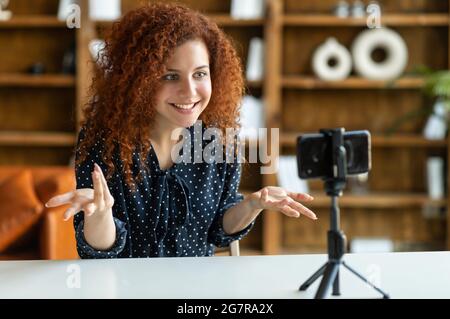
<point>170,77</point>
<point>201,74</point>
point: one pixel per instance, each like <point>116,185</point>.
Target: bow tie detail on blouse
<point>173,196</point>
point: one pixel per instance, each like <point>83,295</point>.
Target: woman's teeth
<point>184,106</point>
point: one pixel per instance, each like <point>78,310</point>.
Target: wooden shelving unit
<point>297,101</point>
<point>38,111</point>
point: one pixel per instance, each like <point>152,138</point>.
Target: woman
<point>163,68</point>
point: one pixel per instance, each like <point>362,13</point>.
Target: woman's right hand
<point>98,201</point>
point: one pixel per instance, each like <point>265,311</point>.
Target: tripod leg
<point>328,278</point>
<point>313,278</point>
<point>385,295</point>
<point>336,291</point>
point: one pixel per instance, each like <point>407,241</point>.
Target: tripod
<point>334,184</point>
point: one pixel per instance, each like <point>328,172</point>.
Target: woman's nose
<point>188,89</point>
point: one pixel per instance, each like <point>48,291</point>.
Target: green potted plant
<point>437,87</point>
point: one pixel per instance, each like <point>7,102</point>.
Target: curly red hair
<point>121,107</point>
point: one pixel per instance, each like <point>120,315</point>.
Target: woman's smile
<point>184,106</point>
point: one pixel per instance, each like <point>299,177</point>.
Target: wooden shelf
<point>33,21</point>
<point>44,80</point>
<point>309,82</point>
<point>14,138</point>
<point>224,20</point>
<point>431,19</point>
<point>290,140</point>
<point>408,141</point>
<point>227,20</point>
<point>373,200</point>
<point>377,201</point>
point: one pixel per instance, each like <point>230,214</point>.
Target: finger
<point>98,190</point>
<point>265,195</point>
<point>302,209</point>
<point>89,209</point>
<point>60,199</point>
<point>107,197</point>
<point>289,211</point>
<point>282,203</point>
<point>300,196</point>
<point>72,210</point>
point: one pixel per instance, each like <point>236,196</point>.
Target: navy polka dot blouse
<point>173,212</point>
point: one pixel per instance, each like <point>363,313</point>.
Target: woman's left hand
<point>277,198</point>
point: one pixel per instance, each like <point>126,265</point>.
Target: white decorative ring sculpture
<point>332,50</point>
<point>386,39</point>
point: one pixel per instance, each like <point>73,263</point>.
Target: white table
<point>402,275</point>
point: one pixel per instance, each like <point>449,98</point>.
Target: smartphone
<point>314,154</point>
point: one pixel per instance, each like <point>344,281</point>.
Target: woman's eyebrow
<point>199,67</point>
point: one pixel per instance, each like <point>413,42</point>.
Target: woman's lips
<point>185,111</point>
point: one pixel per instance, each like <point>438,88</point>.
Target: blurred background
<point>380,66</point>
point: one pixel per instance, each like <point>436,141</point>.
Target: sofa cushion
<point>20,208</point>
<point>27,242</point>
<point>56,184</point>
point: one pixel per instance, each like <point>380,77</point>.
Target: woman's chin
<point>188,122</point>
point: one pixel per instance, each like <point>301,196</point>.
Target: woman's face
<point>186,86</point>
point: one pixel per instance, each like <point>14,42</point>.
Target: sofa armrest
<point>57,238</point>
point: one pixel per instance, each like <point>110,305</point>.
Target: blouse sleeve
<point>229,198</point>
<point>84,180</point>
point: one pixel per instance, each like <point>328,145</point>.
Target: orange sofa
<point>44,235</point>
